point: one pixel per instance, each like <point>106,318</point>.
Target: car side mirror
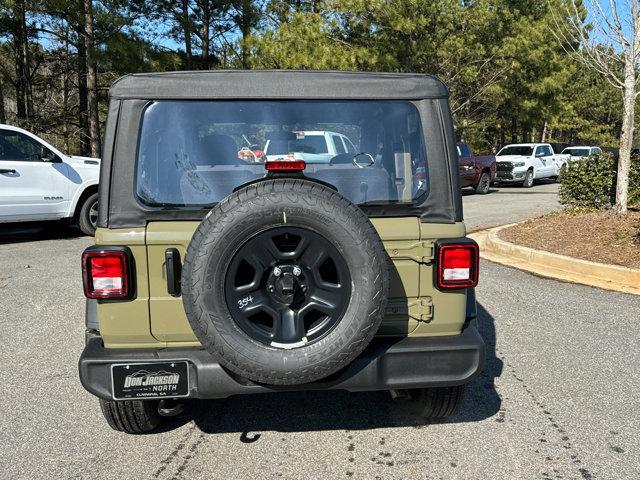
<point>539,154</point>
<point>47,155</point>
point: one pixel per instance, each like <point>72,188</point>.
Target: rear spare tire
<point>285,282</point>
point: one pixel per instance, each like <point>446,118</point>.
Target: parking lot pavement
<point>557,398</point>
<point>508,204</point>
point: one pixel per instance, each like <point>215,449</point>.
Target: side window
<point>337,141</point>
<point>548,151</point>
<point>349,145</point>
<point>539,150</point>
<point>595,151</point>
<point>17,146</point>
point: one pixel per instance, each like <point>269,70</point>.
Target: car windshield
<point>516,150</point>
<point>195,153</point>
<point>577,152</point>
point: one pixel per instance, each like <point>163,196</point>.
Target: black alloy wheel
<point>287,287</point>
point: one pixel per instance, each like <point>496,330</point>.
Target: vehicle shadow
<point>471,193</point>
<point>36,231</point>
<point>339,410</point>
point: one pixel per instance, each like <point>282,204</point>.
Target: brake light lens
<point>105,274</point>
<point>457,265</point>
<point>285,165</point>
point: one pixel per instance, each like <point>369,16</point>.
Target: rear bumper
<point>387,363</point>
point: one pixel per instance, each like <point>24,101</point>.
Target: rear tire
<point>436,403</point>
<point>131,416</point>
<point>484,184</point>
<point>528,179</point>
<point>88,216</point>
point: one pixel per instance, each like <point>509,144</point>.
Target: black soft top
<point>131,94</point>
<point>278,84</point>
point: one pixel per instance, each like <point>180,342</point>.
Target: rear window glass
<point>195,153</point>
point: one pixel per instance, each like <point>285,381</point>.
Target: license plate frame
<point>150,380</point>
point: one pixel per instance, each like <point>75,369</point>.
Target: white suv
<point>580,153</point>
<point>38,182</point>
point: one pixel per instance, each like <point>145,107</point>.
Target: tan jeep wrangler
<point>263,231</point>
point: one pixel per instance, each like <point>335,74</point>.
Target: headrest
<point>222,148</point>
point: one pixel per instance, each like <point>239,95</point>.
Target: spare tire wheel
<point>285,282</point>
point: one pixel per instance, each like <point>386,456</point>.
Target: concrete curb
<point>560,267</point>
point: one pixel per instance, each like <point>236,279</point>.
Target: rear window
<point>195,153</point>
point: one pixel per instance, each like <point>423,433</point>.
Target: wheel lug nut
<point>297,271</point>
<point>277,271</point>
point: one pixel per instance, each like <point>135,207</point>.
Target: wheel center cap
<point>286,287</point>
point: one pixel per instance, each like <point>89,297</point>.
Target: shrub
<point>589,182</point>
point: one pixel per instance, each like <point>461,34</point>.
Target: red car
<point>478,172</point>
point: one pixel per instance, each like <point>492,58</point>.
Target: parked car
<point>478,172</point>
<point>525,162</point>
<point>311,146</point>
<point>39,182</point>
<point>579,152</point>
<point>236,278</point>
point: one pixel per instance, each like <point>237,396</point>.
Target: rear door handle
<point>7,170</point>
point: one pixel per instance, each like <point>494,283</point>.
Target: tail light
<point>107,273</point>
<point>285,165</point>
<point>457,263</point>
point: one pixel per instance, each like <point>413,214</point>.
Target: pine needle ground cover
<point>600,237</point>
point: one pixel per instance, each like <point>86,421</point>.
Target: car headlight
<point>518,164</point>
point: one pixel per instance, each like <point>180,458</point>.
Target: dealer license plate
<point>150,380</point>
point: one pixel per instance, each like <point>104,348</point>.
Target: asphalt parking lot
<point>509,204</point>
<point>558,397</point>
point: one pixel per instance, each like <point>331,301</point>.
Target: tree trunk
<point>3,116</point>
<point>543,136</point>
<point>22,77</point>
<point>626,138</point>
<point>92,97</point>
<point>82,95</point>
<point>245,28</point>
<point>65,93</point>
<point>206,23</point>
<point>26,74</point>
<point>186,25</point>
